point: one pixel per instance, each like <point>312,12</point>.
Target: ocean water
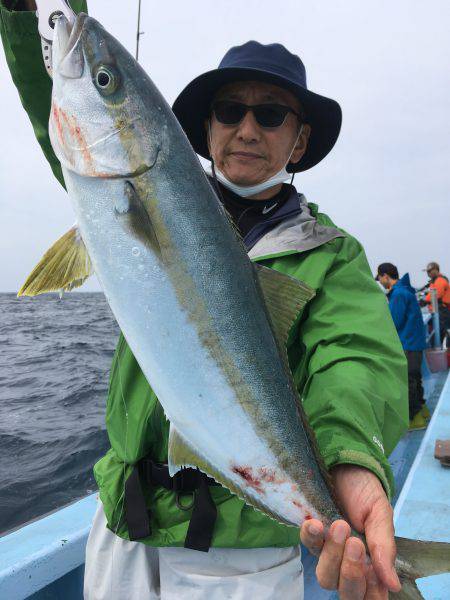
<point>55,357</point>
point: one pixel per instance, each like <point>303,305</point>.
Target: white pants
<point>117,569</point>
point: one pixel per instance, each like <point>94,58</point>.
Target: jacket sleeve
<point>398,308</point>
<point>22,45</point>
<point>355,390</point>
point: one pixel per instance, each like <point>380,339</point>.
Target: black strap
<point>204,514</point>
<point>136,513</point>
<point>186,480</point>
<point>204,511</point>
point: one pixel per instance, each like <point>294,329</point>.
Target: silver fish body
<point>179,280</point>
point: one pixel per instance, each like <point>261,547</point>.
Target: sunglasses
<point>268,116</point>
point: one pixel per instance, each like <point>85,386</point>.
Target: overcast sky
<point>387,181</point>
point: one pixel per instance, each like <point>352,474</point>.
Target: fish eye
<point>106,79</point>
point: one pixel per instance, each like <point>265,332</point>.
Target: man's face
<point>385,281</point>
<point>432,273</point>
<point>247,153</point>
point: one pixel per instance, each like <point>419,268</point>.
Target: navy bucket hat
<point>271,63</point>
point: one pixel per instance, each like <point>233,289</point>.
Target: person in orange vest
<point>440,283</point>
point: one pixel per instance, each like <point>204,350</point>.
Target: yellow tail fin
<point>417,559</point>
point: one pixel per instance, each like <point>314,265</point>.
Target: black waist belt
<point>186,481</point>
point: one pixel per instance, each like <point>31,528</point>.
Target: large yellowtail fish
<point>207,327</point>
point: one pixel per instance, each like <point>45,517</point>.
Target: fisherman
<point>439,282</point>
<point>408,321</point>
<point>259,125</point>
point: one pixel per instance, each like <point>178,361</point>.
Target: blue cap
<point>271,63</point>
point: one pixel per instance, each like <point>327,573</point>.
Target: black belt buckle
<point>182,486</point>
<point>180,504</point>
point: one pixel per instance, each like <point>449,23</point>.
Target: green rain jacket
<point>344,352</point>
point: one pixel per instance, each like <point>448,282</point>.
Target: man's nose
<point>248,129</point>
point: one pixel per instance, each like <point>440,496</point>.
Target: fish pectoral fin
<point>285,297</point>
<point>65,266</point>
<point>133,213</point>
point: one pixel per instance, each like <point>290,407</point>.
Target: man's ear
<point>302,144</point>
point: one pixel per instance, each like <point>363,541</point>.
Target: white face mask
<point>250,190</point>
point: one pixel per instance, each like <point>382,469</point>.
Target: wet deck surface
<point>423,509</point>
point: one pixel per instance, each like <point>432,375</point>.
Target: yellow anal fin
<point>65,266</point>
<point>285,297</point>
<point>180,453</point>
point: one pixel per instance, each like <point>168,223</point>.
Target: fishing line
<point>138,31</point>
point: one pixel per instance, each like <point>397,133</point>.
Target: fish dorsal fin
<point>285,297</point>
<point>65,266</point>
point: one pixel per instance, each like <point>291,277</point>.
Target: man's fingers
<point>383,565</point>
<point>311,536</point>
<point>379,532</point>
<point>329,565</point>
<point>375,590</point>
<point>352,581</point>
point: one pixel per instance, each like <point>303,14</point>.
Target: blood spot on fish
<point>58,125</point>
<point>68,127</point>
<point>76,133</point>
<point>247,474</point>
<point>269,475</point>
<point>298,504</point>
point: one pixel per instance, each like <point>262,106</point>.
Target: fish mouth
<point>67,47</point>
<point>76,30</point>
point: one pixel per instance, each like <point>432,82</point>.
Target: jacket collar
<point>296,232</point>
<point>287,210</point>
